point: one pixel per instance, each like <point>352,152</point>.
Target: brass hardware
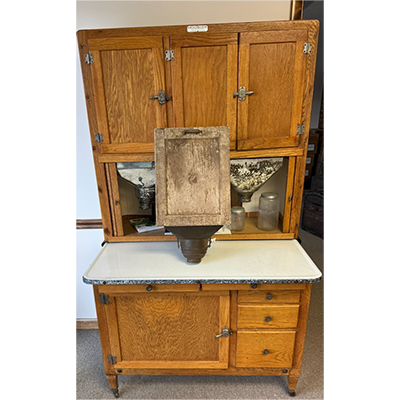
<point>149,288</point>
<point>242,93</point>
<point>253,285</point>
<point>267,319</point>
<point>225,333</point>
<point>162,98</point>
<point>269,296</point>
<point>307,48</point>
<point>265,352</point>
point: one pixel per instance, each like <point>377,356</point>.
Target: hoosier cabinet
<point>243,309</point>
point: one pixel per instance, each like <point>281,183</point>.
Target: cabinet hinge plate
<point>169,55</point>
<point>300,129</point>
<point>98,137</point>
<point>104,298</point>
<point>112,359</point>
<point>89,58</point>
<point>307,48</point>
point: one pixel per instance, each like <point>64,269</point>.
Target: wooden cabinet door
<point>204,77</point>
<point>127,71</point>
<point>272,65</point>
<point>168,330</point>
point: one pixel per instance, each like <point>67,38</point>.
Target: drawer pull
<point>267,319</point>
<point>149,288</point>
<point>265,351</point>
<point>253,285</point>
<point>269,296</point>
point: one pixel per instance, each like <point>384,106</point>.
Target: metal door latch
<point>162,98</point>
<point>225,333</point>
<point>242,93</point>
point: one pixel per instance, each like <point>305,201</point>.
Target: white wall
<point>115,14</point>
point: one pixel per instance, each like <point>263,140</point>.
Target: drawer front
<point>265,349</point>
<point>268,316</point>
<point>151,288</point>
<point>269,296</point>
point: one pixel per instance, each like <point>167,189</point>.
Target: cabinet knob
<point>267,319</point>
<point>265,351</point>
<point>149,288</point>
<point>269,296</point>
<point>253,285</point>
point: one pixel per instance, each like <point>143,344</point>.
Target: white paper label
<point>197,28</point>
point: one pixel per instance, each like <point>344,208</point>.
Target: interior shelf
<point>250,231</point>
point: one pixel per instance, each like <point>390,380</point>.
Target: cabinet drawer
<point>151,288</point>
<point>265,349</point>
<point>270,296</point>
<point>269,316</point>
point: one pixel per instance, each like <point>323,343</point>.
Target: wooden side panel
<point>128,71</point>
<point>204,77</point>
<point>164,331</point>
<point>272,65</point>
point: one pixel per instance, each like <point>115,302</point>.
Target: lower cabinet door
<point>265,349</point>
<point>169,330</point>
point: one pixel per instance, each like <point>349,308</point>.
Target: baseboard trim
<point>87,323</point>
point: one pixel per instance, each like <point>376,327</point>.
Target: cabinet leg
<point>292,383</point>
<point>113,382</point>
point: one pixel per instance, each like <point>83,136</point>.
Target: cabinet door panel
<point>272,65</point>
<point>204,77</point>
<point>155,330</point>
<point>126,73</point>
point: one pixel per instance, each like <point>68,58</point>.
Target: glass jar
<point>268,211</point>
<point>237,218</point>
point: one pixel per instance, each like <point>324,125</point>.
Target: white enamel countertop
<point>241,261</point>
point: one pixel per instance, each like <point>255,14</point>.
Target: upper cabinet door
<point>204,77</point>
<point>127,73</point>
<point>272,69</point>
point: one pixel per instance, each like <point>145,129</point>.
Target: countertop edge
<point>194,281</point>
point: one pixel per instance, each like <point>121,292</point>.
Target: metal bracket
<point>98,137</point>
<point>112,359</point>
<point>242,93</point>
<point>169,55</point>
<point>300,129</point>
<point>89,58</point>
<point>307,48</point>
<point>104,298</point>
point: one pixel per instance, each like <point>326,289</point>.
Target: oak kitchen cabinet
<point>257,79</point>
<point>157,316</point>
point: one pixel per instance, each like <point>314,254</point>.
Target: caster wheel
<point>115,392</point>
<point>292,393</point>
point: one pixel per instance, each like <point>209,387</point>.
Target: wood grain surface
<point>280,316</point>
<point>251,345</point>
<point>278,296</point>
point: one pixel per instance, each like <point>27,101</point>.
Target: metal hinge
<point>104,298</point>
<point>307,48</point>
<point>112,359</point>
<point>300,129</point>
<point>89,58</point>
<point>98,137</point>
<point>169,55</point>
